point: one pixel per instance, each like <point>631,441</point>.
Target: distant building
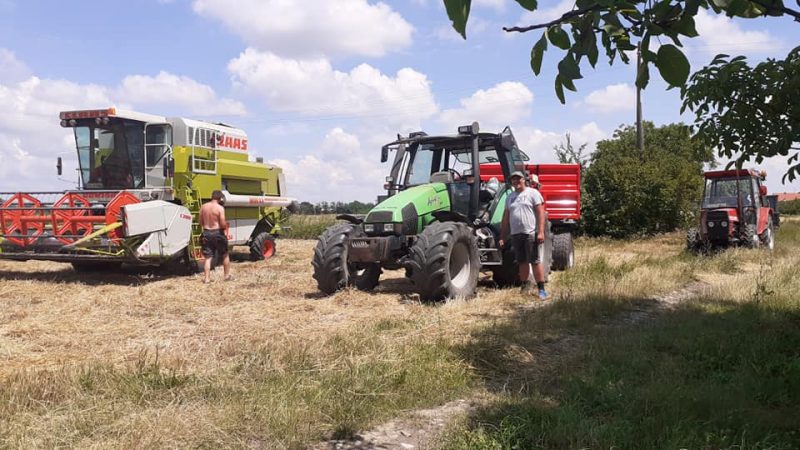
<point>788,196</point>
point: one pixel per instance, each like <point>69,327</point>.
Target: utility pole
<point>639,127</point>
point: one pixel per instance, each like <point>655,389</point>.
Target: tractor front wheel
<point>444,262</point>
<point>331,268</point>
<point>693,242</point>
<point>262,247</point>
<point>749,236</point>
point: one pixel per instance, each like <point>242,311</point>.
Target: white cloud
<point>12,69</point>
<point>720,34</point>
<point>543,14</point>
<point>313,88</point>
<point>312,28</point>
<point>615,97</point>
<point>30,135</point>
<point>494,108</point>
<point>475,26</point>
<point>538,144</point>
<point>341,170</point>
<point>177,91</point>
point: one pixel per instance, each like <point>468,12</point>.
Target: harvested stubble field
<point>132,359</point>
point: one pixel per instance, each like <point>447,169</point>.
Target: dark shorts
<point>526,250</point>
<point>214,243</point>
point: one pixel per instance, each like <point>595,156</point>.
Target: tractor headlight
<point>724,223</point>
<point>710,224</point>
<point>388,227</point>
<point>369,227</point>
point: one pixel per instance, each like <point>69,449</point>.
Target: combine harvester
<point>143,180</point>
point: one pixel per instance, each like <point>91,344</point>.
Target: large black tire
<point>331,269</point>
<point>444,262</point>
<point>749,238</point>
<point>181,264</point>
<point>693,242</point>
<point>508,273</point>
<point>262,246</point>
<point>563,251</point>
<point>768,236</point>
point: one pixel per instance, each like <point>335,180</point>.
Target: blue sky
<point>319,85</point>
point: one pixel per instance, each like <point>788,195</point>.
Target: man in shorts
<point>215,235</point>
<point>524,211</point>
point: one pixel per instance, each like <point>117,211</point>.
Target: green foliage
<point>748,112</point>
<point>568,154</point>
<point>308,226</point>
<point>631,193</point>
<point>790,208</point>
<point>614,26</point>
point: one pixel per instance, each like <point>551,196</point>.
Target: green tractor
<point>440,220</point>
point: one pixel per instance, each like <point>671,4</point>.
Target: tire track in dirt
<point>420,428</point>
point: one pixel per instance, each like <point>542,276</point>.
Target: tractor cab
<point>735,210</point>
<point>454,163</point>
<point>121,150</point>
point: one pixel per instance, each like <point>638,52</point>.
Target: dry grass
<point>137,360</point>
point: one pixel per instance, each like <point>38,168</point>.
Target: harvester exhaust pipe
<point>256,200</point>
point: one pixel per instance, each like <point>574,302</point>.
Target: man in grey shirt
<point>524,211</point>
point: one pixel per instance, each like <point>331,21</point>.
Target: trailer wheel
<point>563,251</point>
<point>262,247</point>
<point>331,269</point>
<point>444,262</point>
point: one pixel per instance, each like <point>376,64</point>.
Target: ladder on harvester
<point>193,203</point>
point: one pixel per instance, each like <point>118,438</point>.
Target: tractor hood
<point>411,207</point>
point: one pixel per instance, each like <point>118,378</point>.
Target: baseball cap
<point>534,179</point>
<point>517,173</point>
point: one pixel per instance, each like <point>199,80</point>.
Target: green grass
<point>719,371</point>
<point>285,395</point>
<point>308,226</point>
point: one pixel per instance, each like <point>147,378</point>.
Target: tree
<point>567,154</point>
<point>752,111</point>
<point>629,193</point>
<point>619,26</point>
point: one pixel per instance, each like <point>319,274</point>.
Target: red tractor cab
<point>735,211</point>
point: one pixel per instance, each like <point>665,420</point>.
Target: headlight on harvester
<point>369,227</point>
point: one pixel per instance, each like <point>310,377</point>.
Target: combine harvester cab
<point>143,179</point>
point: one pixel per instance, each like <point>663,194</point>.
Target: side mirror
<point>169,167</point>
<point>384,154</point>
<point>59,166</point>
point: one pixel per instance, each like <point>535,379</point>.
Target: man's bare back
<point>212,216</point>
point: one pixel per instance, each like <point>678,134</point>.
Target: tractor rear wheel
<point>444,262</point>
<point>563,251</point>
<point>262,247</point>
<point>749,237</point>
<point>331,269</point>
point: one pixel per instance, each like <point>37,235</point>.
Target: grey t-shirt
<point>520,206</point>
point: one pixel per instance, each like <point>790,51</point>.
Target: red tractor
<point>735,211</point>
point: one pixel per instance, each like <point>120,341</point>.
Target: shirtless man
<point>215,235</point>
